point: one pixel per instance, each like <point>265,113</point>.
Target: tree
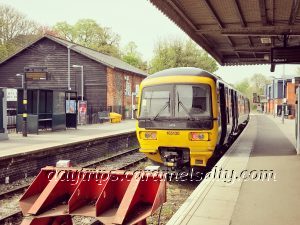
<point>244,87</point>
<point>255,84</point>
<point>90,34</point>
<point>177,53</point>
<point>133,57</point>
<point>258,82</point>
<point>15,31</point>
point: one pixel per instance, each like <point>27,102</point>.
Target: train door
<point>233,110</point>
<point>222,113</point>
<point>236,111</point>
<point>228,113</point>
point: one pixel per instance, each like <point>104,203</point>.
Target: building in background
<point>281,91</point>
<point>108,82</point>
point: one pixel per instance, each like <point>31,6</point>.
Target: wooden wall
<point>54,56</point>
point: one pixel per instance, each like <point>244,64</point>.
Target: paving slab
<point>17,144</point>
<point>213,201</point>
<point>265,146</point>
<point>276,201</point>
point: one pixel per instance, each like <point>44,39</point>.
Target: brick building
<point>281,90</point>
<point>108,81</point>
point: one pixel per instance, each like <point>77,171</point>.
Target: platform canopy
<point>237,32</point>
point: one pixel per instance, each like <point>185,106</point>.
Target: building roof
<point>232,30</point>
<point>89,53</point>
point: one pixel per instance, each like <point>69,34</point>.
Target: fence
<point>92,115</point>
<point>92,112</point>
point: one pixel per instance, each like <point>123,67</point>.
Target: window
<point>127,86</point>
<point>155,101</point>
<point>183,101</point>
<point>192,100</point>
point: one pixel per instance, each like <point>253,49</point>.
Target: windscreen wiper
<point>162,109</point>
<point>167,104</point>
<point>184,108</point>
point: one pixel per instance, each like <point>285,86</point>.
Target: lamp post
<point>24,87</point>
<point>283,104</point>
<point>80,66</point>
<point>132,105</point>
<point>274,96</point>
<point>283,94</point>
<point>21,75</point>
<point>69,65</point>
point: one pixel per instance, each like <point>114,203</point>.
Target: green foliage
<point>178,53</point>
<point>16,31</point>
<point>258,82</point>
<point>133,57</point>
<point>90,34</point>
<point>255,84</point>
<point>243,86</point>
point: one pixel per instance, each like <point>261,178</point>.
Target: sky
<point>133,20</point>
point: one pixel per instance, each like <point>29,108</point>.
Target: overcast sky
<point>133,20</point>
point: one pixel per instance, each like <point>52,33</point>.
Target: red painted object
<point>116,197</point>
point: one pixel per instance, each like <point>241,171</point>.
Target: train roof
<point>189,71</point>
<point>183,71</point>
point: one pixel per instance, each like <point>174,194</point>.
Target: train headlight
<point>148,135</point>
<point>198,136</point>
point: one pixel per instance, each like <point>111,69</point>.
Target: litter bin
<point>115,117</point>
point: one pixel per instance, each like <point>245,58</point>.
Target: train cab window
<point>193,100</point>
<point>156,101</point>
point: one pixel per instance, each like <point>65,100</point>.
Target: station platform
<point>19,145</point>
<point>256,182</point>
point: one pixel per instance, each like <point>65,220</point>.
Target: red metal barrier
<point>116,197</point>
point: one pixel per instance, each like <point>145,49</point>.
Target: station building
<point>279,91</point>
<point>108,82</point>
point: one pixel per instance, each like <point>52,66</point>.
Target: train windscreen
<point>156,101</point>
<point>185,101</point>
<point>192,101</point>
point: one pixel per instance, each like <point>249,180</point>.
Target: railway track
<point>121,160</point>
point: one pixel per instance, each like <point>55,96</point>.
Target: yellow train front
<point>186,115</point>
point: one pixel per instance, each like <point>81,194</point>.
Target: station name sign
<point>36,73</point>
<point>285,55</point>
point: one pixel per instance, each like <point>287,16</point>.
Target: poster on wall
<point>70,106</point>
<point>11,95</point>
<point>82,111</point>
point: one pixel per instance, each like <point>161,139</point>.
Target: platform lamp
<point>24,87</point>
<point>69,69</point>
<point>80,66</point>
<point>283,94</point>
<point>69,65</point>
<point>132,104</point>
<point>273,83</point>
<point>21,75</point>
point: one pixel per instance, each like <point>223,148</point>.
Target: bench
<point>45,121</point>
<point>103,115</point>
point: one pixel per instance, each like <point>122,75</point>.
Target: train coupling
<point>174,157</point>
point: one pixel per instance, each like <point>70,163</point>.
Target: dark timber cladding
<point>54,56</point>
<point>98,70</point>
<point>237,32</point>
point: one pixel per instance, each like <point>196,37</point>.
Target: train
<point>186,115</point>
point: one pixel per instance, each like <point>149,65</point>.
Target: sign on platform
<point>82,109</point>
<point>71,106</point>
